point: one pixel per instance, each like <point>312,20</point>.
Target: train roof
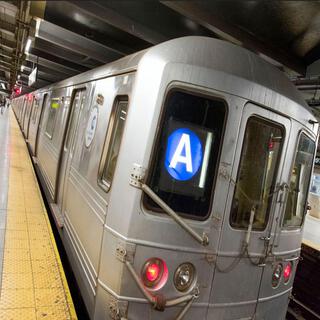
<point>265,84</point>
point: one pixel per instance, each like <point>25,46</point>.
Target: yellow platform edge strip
<point>62,274</point>
<point>70,305</point>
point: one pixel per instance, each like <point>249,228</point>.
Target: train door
<point>23,112</point>
<point>284,254</point>
<point>251,206</point>
<point>77,104</point>
<point>40,117</point>
<point>27,124</point>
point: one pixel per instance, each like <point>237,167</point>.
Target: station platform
<point>32,280</point>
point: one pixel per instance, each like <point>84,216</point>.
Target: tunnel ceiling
<point>69,37</point>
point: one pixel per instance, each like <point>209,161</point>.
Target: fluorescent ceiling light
<point>22,68</point>
<point>26,50</point>
<point>3,86</point>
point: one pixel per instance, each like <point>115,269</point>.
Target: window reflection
<point>257,173</point>
<point>299,183</point>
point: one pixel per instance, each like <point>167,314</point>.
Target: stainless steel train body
<point>178,179</point>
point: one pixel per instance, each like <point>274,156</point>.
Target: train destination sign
<point>184,154</point>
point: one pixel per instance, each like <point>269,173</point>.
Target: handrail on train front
<point>137,181</point>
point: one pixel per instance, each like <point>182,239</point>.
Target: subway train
<point>178,180</point>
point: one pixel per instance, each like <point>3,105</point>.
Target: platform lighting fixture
<point>3,86</point>
<point>28,45</point>
<point>22,68</point>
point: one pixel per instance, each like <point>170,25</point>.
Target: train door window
<point>257,173</point>
<point>54,106</point>
<point>44,102</point>
<point>34,110</point>
<point>113,141</point>
<point>76,103</point>
<point>299,182</point>
<point>185,158</point>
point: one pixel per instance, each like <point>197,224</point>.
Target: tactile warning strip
<point>33,281</point>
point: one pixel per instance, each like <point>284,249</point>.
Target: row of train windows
<point>186,155</point>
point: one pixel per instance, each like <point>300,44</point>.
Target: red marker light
<point>152,272</point>
<point>287,272</point>
<point>270,145</point>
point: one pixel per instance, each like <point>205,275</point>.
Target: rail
<point>159,302</point>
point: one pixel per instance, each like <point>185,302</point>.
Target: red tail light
<point>154,273</point>
<point>287,272</point>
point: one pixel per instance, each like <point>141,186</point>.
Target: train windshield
<point>299,182</point>
<point>186,154</point>
<point>257,173</point>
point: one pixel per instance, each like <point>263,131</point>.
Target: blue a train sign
<point>183,155</point>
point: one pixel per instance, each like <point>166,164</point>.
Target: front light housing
<point>287,272</point>
<point>276,276</point>
<point>154,273</point>
<point>184,276</point>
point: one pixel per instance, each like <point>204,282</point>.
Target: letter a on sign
<point>183,154</point>
<point>184,145</point>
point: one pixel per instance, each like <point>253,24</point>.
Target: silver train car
<point>178,179</point>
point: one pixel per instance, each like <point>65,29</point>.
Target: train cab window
<point>113,141</point>
<point>54,106</point>
<point>257,172</point>
<point>299,183</point>
<point>185,158</point>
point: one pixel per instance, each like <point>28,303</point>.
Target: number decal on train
<point>184,154</point>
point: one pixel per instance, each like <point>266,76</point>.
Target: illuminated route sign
<point>183,155</point>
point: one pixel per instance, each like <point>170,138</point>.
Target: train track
<point>299,311</point>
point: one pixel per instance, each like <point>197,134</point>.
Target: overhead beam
<point>51,65</point>
<point>54,51</point>
<point>2,62</point>
<point>3,80</point>
<point>5,54</point>
<point>69,63</point>
<point>4,68</point>
<point>43,75</point>
<point>8,43</point>
<point>5,25</point>
<point>75,42</point>
<point>41,82</point>
<point>231,33</point>
<point>117,20</point>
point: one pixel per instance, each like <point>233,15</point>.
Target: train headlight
<point>276,276</point>
<point>154,273</point>
<point>287,272</point>
<point>184,276</point>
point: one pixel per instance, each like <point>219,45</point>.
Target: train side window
<point>113,141</point>
<point>257,173</point>
<point>185,157</point>
<point>54,106</point>
<point>299,183</point>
